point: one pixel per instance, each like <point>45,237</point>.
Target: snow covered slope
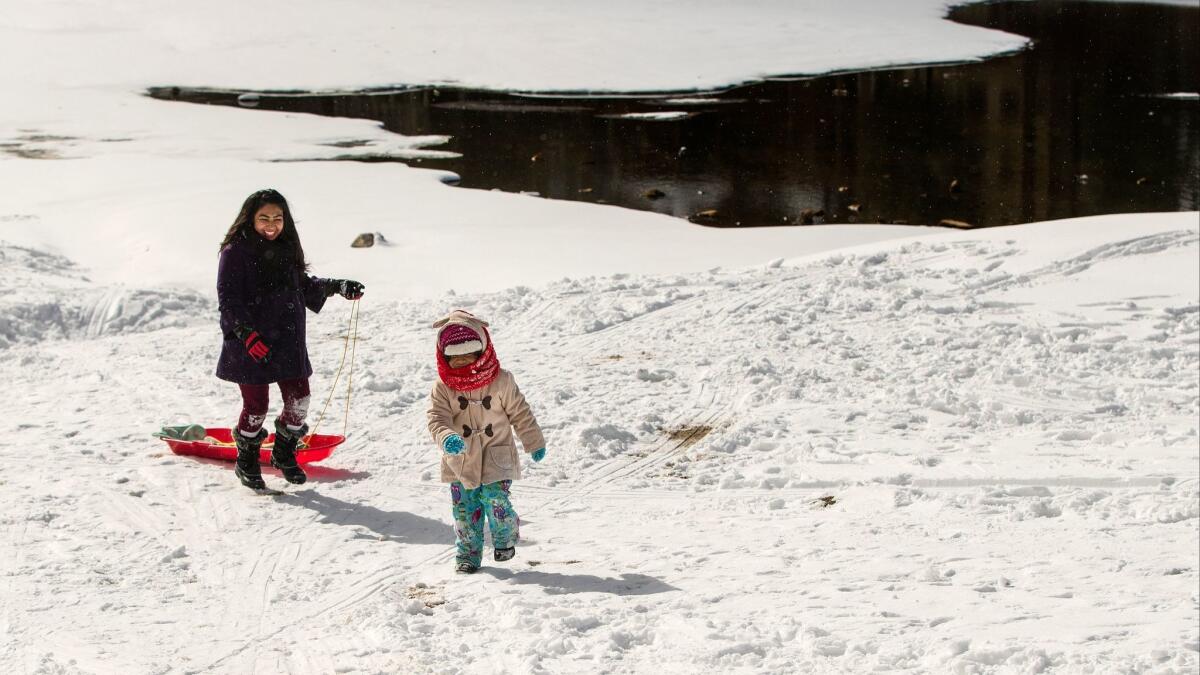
<point>153,221</point>
<point>967,452</point>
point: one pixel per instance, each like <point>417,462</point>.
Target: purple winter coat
<point>277,315</point>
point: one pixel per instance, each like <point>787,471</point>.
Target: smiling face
<point>463,360</point>
<point>268,221</point>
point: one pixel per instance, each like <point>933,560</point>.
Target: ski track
<point>379,580</point>
<point>781,385</point>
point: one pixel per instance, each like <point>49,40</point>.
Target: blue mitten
<point>539,454</point>
<point>453,444</point>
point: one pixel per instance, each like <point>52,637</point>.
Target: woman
<point>262,290</point>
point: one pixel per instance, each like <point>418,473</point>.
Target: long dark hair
<point>243,225</point>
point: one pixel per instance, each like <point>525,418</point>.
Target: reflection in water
<point>1076,125</point>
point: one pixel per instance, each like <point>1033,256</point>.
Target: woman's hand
<point>539,454</point>
<point>348,289</point>
<point>253,342</point>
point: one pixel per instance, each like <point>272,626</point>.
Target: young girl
<point>262,290</point>
<point>473,410</point>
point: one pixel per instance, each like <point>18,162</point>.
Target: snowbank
<point>151,222</point>
<point>965,452</point>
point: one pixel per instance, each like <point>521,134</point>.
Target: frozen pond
<point>1088,121</point>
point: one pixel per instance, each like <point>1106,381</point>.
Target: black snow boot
<point>502,554</point>
<point>246,468</point>
<point>283,455</point>
<point>465,567</point>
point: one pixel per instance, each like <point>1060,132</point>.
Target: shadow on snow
<point>554,583</point>
<point>398,526</point>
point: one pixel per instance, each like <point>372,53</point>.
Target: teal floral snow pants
<point>471,507</point>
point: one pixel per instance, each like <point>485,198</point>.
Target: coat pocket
<point>503,457</point>
<point>455,463</point>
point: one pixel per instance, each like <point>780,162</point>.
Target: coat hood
<point>462,317</point>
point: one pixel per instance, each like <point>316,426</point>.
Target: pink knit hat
<point>457,340</point>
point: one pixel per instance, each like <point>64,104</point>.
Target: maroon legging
<point>256,399</point>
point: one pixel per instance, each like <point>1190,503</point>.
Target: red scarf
<point>474,376</point>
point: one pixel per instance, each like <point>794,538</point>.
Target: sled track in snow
<point>596,344</point>
<point>702,413</point>
<point>705,410</point>
<point>375,582</point>
<point>619,468</point>
<point>709,416</point>
<point>809,487</point>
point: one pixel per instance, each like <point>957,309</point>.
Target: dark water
<point>1073,126</point>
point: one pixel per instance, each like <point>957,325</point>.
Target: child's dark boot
<point>465,567</point>
<point>246,468</point>
<point>283,454</point>
<point>503,554</point>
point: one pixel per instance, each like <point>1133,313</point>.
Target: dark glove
<point>351,290</point>
<point>257,349</point>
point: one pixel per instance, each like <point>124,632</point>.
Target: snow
<point>134,220</point>
<point>663,116</point>
<point>694,100</point>
<point>819,449</point>
<point>533,45</point>
<point>1002,424</point>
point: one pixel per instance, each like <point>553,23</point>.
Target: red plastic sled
<point>319,447</point>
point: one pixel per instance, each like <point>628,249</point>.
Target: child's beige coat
<point>485,459</point>
<point>486,419</point>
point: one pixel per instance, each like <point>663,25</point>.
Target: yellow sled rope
<point>350,345</point>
